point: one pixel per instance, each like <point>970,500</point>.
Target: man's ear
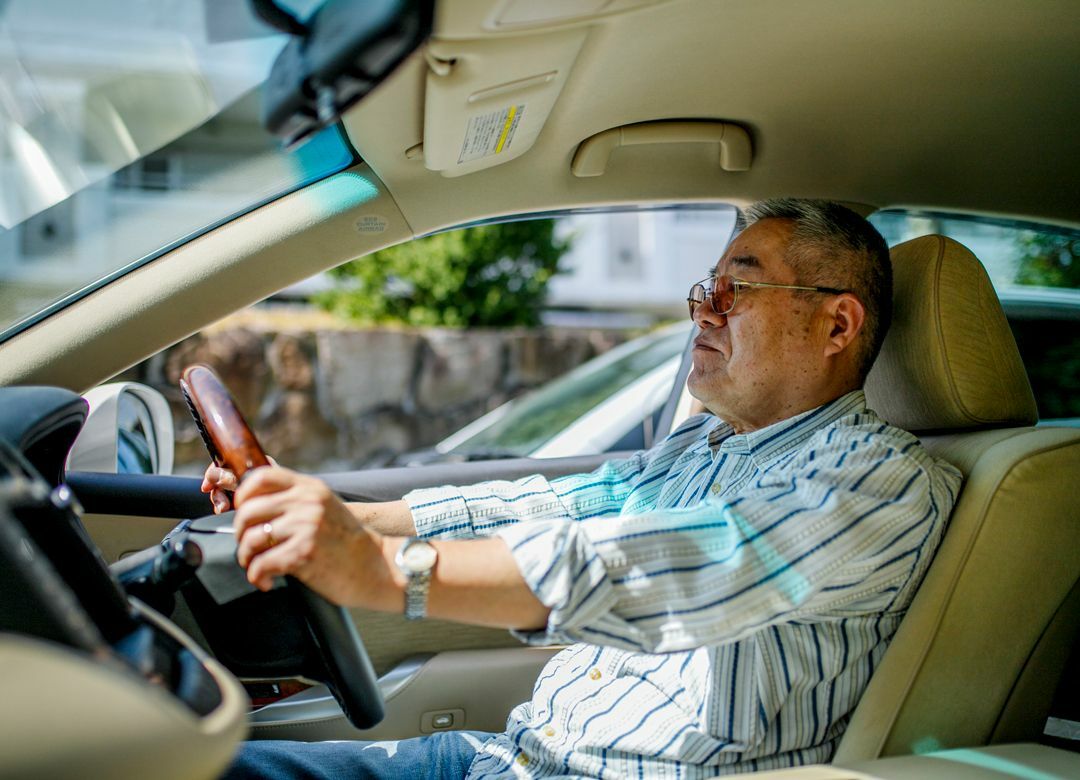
<point>846,316</point>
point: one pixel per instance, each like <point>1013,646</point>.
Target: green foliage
<point>1049,347</point>
<point>485,276</point>
<point>1048,260</point>
<point>1052,359</point>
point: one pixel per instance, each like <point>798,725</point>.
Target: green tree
<point>1049,347</point>
<point>487,276</point>
<point>1048,260</point>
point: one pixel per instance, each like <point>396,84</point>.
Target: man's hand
<point>216,481</point>
<point>289,523</point>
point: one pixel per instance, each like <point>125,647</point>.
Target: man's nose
<point>705,315</point>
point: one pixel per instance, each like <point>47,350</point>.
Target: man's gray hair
<point>832,246</point>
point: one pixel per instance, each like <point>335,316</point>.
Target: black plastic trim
<point>139,494</point>
<point>42,423</point>
<point>180,497</point>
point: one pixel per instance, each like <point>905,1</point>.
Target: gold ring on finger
<point>268,529</point>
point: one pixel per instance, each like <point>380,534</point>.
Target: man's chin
<point>714,391</point>
<point>702,398</point>
<point>706,384</point>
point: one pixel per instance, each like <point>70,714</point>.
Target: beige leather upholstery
<point>989,763</point>
<point>978,656</point>
<point>66,715</point>
<point>949,360</point>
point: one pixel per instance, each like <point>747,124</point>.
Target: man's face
<point>762,362</point>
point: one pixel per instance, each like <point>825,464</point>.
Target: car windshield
<point>125,127</point>
<point>522,426</point>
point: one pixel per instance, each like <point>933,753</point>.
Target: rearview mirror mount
<point>343,52</point>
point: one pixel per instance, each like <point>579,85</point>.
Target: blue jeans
<point>445,755</point>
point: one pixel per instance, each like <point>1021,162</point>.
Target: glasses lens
<point>697,296</point>
<point>723,294</point>
<point>721,289</point>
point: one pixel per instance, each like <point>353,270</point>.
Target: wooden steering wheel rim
<point>227,436</point>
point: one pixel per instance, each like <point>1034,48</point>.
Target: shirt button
<point>715,488</point>
<point>594,674</point>
<point>523,759</point>
<point>549,731</point>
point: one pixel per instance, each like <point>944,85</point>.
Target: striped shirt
<point>727,596</point>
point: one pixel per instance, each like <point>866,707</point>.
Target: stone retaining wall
<point>330,399</point>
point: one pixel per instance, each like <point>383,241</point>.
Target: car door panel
<point>476,689</point>
<point>391,484</point>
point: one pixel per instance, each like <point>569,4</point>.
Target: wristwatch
<point>416,559</point>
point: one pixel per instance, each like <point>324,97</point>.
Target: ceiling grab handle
<point>592,156</point>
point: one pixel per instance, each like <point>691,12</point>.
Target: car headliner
<point>947,106</point>
<point>961,105</point>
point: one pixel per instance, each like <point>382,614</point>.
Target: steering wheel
<point>231,443</point>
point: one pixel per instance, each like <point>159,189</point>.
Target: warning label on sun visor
<point>490,133</point>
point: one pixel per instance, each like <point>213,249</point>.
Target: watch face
<point>419,557</point>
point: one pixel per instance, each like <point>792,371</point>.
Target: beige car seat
<point>979,654</point>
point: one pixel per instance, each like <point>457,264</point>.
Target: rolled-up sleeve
<point>482,509</point>
<point>849,525</point>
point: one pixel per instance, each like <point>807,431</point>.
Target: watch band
<point>418,581</point>
<point>416,593</point>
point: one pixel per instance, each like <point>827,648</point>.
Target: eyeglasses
<point>722,292</point>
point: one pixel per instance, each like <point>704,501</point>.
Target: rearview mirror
<point>343,52</point>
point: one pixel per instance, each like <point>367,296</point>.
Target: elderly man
<point>726,594</point>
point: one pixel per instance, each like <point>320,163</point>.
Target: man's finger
<point>216,477</point>
<point>265,479</point>
<point>261,538</point>
<point>225,479</point>
<point>277,561</point>
<point>258,510</point>
<point>220,500</point>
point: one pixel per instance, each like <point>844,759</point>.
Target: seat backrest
<point>978,656</point>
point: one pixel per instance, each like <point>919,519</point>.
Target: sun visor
<point>487,100</point>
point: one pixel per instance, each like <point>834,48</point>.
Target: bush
<point>484,276</point>
<point>1048,259</point>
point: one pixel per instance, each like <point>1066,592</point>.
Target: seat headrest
<point>949,360</point>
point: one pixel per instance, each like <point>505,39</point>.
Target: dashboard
<point>98,683</point>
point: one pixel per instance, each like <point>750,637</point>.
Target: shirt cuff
<point>439,513</point>
<point>565,572</point>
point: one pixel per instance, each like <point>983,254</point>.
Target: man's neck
<point>788,410</point>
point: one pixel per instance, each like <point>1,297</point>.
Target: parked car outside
<point>612,402</point>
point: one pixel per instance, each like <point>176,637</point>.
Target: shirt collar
<point>767,444</point>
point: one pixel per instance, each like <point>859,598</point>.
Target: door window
<point>1036,272</point>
